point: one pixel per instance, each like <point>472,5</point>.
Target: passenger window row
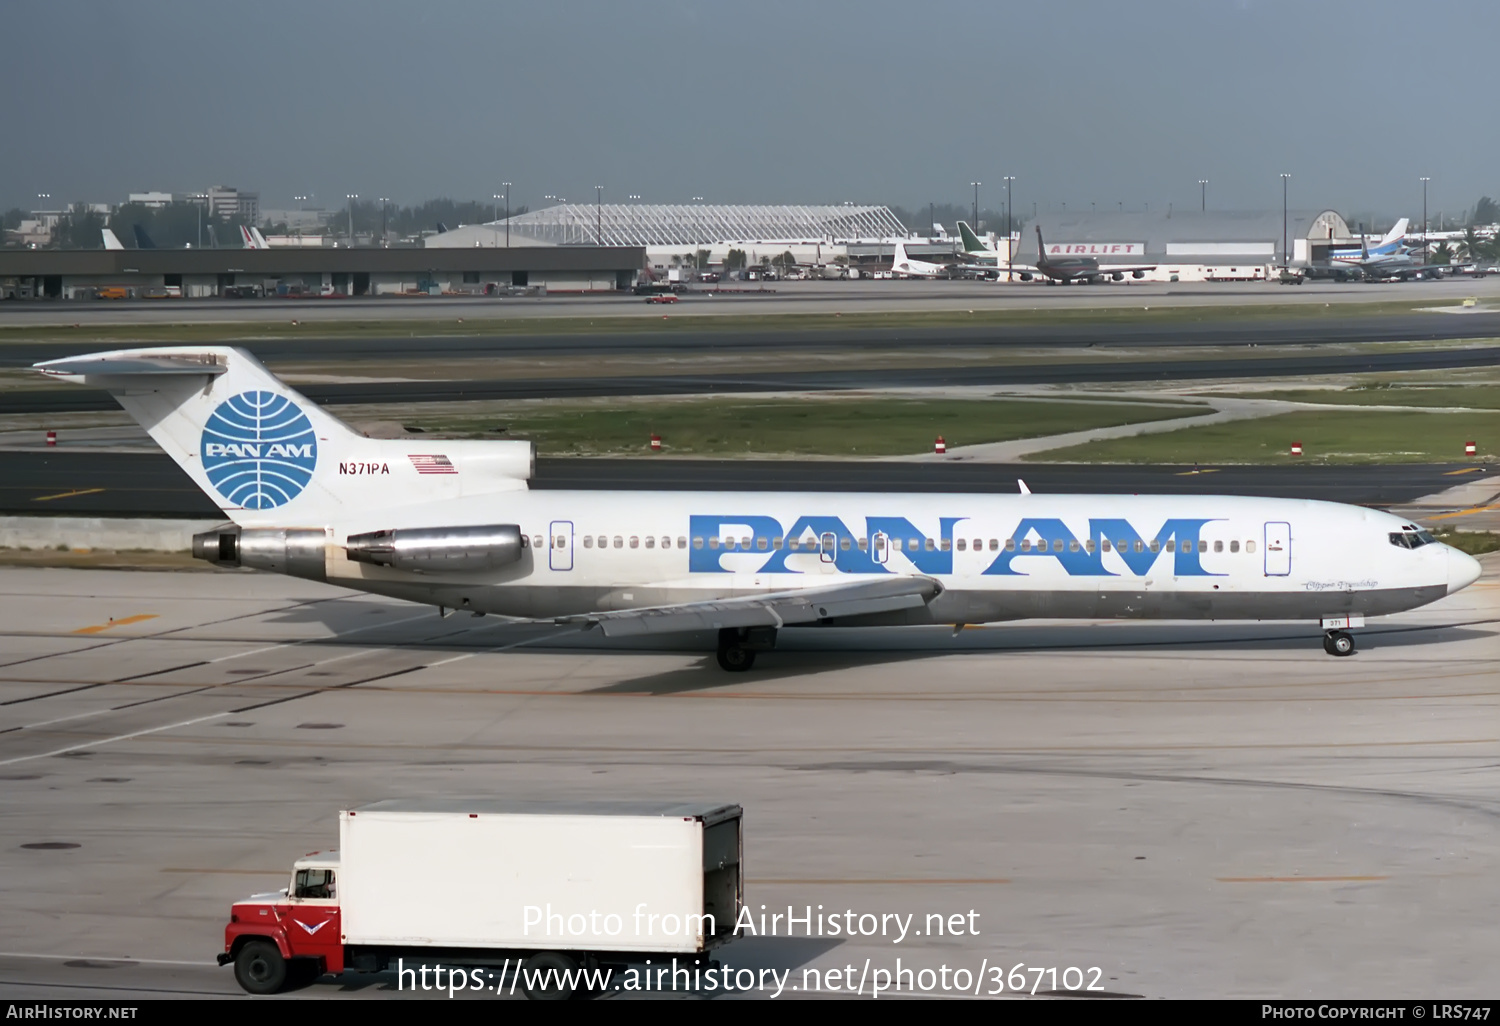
<point>1410,538</point>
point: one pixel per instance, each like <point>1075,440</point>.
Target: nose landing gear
<point>1338,643</point>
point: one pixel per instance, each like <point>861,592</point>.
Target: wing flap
<point>775,609</point>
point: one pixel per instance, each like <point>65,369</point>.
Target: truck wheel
<point>549,976</point>
<point>259,968</point>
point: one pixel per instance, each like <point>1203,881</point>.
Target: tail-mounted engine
<point>440,549</point>
<point>296,551</point>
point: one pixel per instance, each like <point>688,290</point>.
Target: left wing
<point>773,609</point>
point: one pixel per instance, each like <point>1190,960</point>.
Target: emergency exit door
<point>1278,549</point>
<point>560,545</point>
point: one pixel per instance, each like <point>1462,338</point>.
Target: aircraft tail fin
<point>972,242</point>
<point>442,228</point>
<point>1396,234</point>
<point>1041,248</point>
<point>1364,244</point>
<point>270,457</point>
<point>111,240</point>
<point>260,240</point>
<point>246,240</point>
<point>142,240</point>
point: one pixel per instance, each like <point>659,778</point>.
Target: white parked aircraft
<point>453,524</point>
<point>905,266</point>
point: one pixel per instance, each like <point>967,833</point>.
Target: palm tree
<point>1469,248</point>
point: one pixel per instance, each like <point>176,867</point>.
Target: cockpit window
<point>1410,539</point>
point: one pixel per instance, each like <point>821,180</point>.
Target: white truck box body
<point>541,876</point>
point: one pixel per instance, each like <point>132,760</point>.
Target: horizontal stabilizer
<point>772,610</point>
<point>96,366</point>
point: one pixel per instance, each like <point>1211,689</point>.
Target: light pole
<point>598,215</point>
<point>1010,255</point>
<point>1284,179</point>
<point>384,236</point>
<point>1424,219</point>
<point>976,203</point>
<point>351,197</point>
<point>1203,195</point>
<point>507,214</point>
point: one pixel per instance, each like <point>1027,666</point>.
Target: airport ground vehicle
<point>491,885</point>
<point>664,297</point>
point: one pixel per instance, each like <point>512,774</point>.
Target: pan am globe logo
<point>259,450</point>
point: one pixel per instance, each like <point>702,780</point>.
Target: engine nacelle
<point>1025,276</point>
<point>295,551</point>
<point>1118,276</point>
<point>1137,275</point>
<point>440,549</point>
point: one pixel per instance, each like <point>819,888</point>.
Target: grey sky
<point>765,101</point>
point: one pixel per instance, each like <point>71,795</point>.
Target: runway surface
<point>1209,810</point>
<point>75,399</point>
<point>130,484</point>
<point>730,299</point>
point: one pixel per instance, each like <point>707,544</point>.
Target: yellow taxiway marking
<point>67,495</point>
<point>1464,512</point>
<point>1300,879</point>
<point>1195,470</point>
<point>96,628</point>
<point>1466,470</point>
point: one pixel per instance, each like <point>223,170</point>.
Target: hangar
<point>1190,246</point>
<point>90,273</point>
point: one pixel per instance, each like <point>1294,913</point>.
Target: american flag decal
<point>433,465</point>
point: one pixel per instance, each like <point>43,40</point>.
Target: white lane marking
<point>324,662</point>
<point>497,648</point>
<point>202,719</point>
<point>309,641</point>
<point>107,958</point>
<point>108,740</point>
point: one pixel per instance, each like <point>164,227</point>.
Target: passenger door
<point>560,545</point>
<point>880,548</point>
<point>1278,549</point>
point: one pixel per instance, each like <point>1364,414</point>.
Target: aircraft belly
<point>955,604</point>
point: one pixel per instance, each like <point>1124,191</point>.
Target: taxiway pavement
<point>1200,810</point>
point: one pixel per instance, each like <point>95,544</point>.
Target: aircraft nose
<point>1463,570</point>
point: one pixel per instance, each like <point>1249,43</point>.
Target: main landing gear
<point>1338,643</point>
<point>738,645</point>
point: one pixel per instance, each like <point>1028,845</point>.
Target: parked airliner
<point>454,524</point>
<point>1064,269</point>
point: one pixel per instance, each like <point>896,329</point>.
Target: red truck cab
<point>295,933</point>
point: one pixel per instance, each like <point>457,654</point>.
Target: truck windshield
<point>314,883</point>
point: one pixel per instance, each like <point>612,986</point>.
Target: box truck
<point>498,885</point>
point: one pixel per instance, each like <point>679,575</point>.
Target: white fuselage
<point>1185,557</point>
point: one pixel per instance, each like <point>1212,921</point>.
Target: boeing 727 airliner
<point>453,524</point>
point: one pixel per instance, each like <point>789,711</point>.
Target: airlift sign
<point>892,540</point>
<point>259,450</point>
<point>1096,249</point>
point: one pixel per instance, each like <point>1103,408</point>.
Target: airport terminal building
<point>197,273</point>
<point>813,234</point>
